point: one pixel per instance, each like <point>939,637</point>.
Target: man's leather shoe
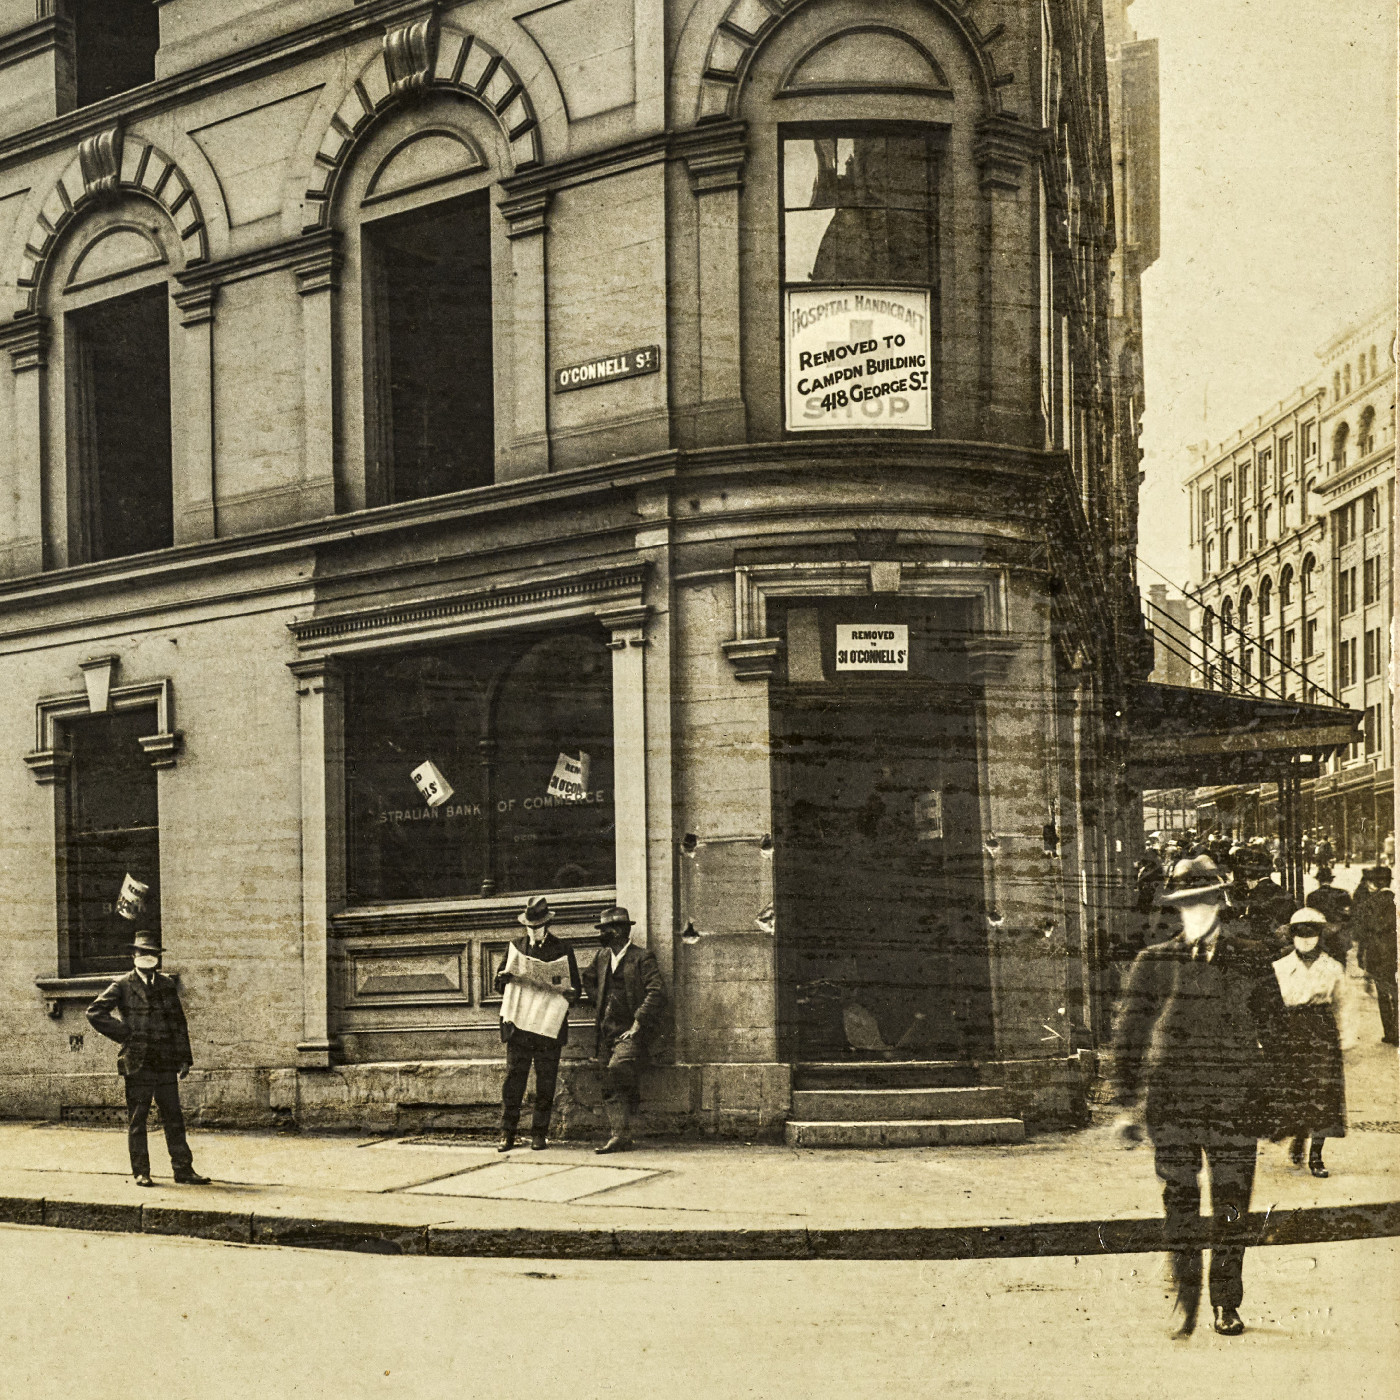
<point>539,1142</point>
<point>613,1144</point>
<point>143,1180</point>
<point>191,1178</point>
<point>1316,1167</point>
<point>506,1143</point>
<point>1227,1322</point>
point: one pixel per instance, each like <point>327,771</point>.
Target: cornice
<point>283,51</point>
<point>593,165</point>
<point>298,254</point>
<point>36,38</point>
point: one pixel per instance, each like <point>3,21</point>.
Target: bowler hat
<point>1251,859</point>
<point>614,918</point>
<point>1377,874</point>
<point>144,941</point>
<point>537,912</point>
<point>1192,879</point>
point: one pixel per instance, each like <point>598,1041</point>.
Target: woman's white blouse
<point>1323,982</point>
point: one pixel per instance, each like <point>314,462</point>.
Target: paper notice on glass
<point>570,778</point>
<point>428,779</point>
<point>131,901</point>
<point>536,998</point>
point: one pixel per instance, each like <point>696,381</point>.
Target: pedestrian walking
<point>1188,1040</point>
<point>1254,898</point>
<point>1335,906</point>
<point>630,999</point>
<point>525,1048</point>
<point>141,1011</point>
<point>1314,1025</point>
<point>1323,854</point>
<point>1373,927</point>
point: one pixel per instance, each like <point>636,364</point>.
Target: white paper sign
<point>871,646</point>
<point>857,357</point>
<point>430,782</point>
<point>570,777</point>
<point>131,902</point>
<point>928,816</point>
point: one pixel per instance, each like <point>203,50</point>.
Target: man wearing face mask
<point>630,998</point>
<point>141,1011</point>
<point>1316,1024</point>
<point>1188,1039</point>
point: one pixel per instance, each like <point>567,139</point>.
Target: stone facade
<point>468,323</point>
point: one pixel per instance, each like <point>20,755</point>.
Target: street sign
<point>862,646</point>
<point>621,364</point>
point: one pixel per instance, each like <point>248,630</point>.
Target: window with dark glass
<point>860,205</point>
<point>114,46</point>
<point>111,830</point>
<point>428,348</point>
<point>496,720</point>
<point>119,434</point>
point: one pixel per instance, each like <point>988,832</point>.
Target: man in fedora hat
<point>1189,1037</point>
<point>523,1047</point>
<point>630,999</point>
<point>141,1011</point>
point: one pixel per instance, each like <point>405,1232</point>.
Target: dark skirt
<point>1310,1097</point>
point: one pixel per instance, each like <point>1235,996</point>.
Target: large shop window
<point>506,725</point>
<point>119,386</point>
<point>111,832</point>
<point>428,295</point>
<point>860,274</point>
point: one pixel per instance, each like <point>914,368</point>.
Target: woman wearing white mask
<point>1318,1022</point>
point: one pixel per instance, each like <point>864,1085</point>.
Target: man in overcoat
<point>1188,1041</point>
<point>1373,926</point>
<point>630,998</point>
<point>141,1011</point>
<point>526,1047</point>
<point>1255,898</point>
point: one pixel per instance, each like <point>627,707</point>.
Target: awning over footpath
<point>1184,737</point>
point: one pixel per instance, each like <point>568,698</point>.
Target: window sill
<point>485,913</point>
<point>84,987</point>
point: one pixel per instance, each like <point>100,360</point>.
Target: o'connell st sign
<point>857,358</point>
<point>621,364</point>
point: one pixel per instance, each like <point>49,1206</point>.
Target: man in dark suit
<point>1256,900</point>
<point>141,1011</point>
<point>1373,924</point>
<point>526,1047</point>
<point>1189,1037</point>
<point>630,999</point>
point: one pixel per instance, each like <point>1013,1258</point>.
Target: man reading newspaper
<point>538,984</point>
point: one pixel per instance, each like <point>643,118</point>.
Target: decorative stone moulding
<point>417,58</point>
<point>747,23</point>
<point>49,760</point>
<point>107,164</point>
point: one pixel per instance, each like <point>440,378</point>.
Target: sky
<point>1278,219</point>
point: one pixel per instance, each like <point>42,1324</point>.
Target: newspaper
<point>536,998</point>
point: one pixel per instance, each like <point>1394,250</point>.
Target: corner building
<point>681,455</point>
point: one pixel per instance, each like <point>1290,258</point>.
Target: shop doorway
<point>878,879</point>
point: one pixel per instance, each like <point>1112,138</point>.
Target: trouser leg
<point>1178,1167</point>
<point>621,1088</point>
<point>167,1097</point>
<point>1231,1185</point>
<point>546,1076</point>
<point>1385,1000</point>
<point>138,1108</point>
<point>513,1091</point>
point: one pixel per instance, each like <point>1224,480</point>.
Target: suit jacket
<point>1190,1037</point>
<point>642,987</point>
<point>550,950</point>
<point>1373,925</point>
<point>148,1024</point>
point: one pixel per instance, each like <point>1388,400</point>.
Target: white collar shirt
<point>618,954</point>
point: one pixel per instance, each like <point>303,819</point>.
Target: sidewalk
<point>1061,1193</point>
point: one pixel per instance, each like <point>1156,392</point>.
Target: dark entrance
<point>883,945</point>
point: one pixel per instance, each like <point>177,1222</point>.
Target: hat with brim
<point>143,941</point>
<point>1307,915</point>
<point>537,913</point>
<point>615,917</point>
<point>1196,878</point>
<point>1377,874</point>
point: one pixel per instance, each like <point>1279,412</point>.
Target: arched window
<point>1373,362</point>
<point>1208,626</point>
<point>1339,445</point>
<point>1227,621</point>
<point>1361,371</point>
<point>1210,556</point>
<point>1266,597</point>
<point>1286,515</point>
<point>1227,542</point>
<point>1366,432</point>
<point>1246,609</point>
<point>1266,524</point>
<point>1285,586</point>
<point>1346,379</point>
<point>1309,570</point>
<point>1247,536</point>
<point>1336,383</point>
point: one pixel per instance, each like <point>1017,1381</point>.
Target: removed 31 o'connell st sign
<point>621,364</point>
<point>857,359</point>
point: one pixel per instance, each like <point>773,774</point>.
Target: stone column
<point>528,453</point>
<point>1010,259</point>
<point>628,630</point>
<point>322,724</point>
<point>716,170</point>
<point>316,271</point>
<point>22,473</point>
<point>194,436</point>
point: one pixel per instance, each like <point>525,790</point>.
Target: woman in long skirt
<point>1317,1022</point>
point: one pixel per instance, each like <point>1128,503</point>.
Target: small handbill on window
<point>428,779</point>
<point>131,901</point>
<point>569,780</point>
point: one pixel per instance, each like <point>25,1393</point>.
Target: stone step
<point>938,1132</point>
<point>884,1074</point>
<point>886,1105</point>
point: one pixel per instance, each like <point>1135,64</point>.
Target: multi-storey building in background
<point>1292,532</point>
<point>678,454</point>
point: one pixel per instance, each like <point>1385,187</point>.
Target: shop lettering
<point>645,360</point>
<point>473,810</point>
